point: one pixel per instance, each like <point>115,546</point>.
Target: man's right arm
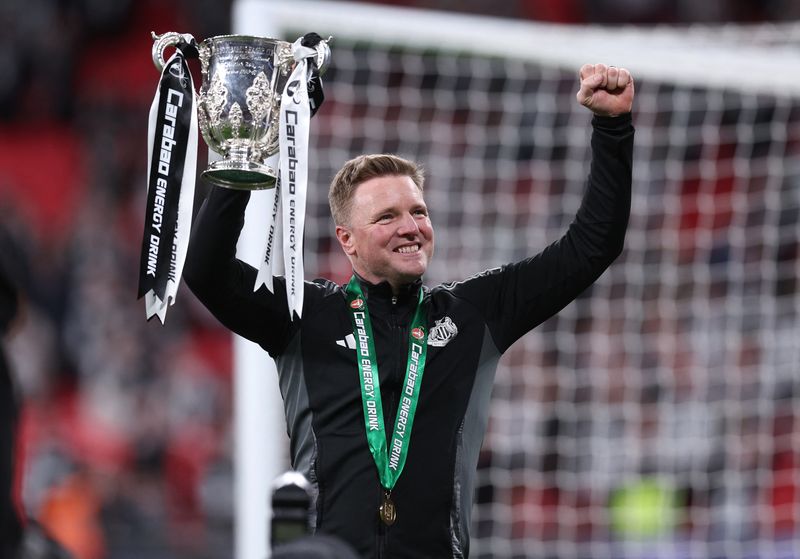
<point>224,284</point>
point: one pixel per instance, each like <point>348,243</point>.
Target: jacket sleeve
<point>517,297</point>
<point>224,284</point>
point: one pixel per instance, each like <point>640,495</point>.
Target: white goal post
<point>659,414</point>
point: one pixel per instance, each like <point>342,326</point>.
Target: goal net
<point>659,414</point>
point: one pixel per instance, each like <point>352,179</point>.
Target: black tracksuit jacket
<point>472,323</point>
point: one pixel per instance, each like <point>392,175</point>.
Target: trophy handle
<point>169,39</point>
<point>323,58</point>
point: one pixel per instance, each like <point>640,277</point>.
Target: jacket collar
<point>382,292</point>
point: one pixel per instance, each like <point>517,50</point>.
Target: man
<point>386,383</point>
<point>20,537</point>
<point>10,282</point>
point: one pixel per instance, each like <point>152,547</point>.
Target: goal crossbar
<point>719,57</point>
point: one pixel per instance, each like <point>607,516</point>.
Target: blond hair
<point>361,169</point>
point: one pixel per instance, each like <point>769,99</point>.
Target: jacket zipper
<point>397,374</point>
<point>382,533</point>
<point>383,530</point>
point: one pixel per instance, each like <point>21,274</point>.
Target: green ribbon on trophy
<point>389,460</point>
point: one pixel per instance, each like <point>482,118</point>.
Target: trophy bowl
<point>243,78</point>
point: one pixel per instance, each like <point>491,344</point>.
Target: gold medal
<point>387,510</point>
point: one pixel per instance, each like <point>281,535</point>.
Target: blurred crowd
<point>619,11</point>
<point>124,440</point>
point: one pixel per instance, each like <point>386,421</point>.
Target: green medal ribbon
<point>389,461</point>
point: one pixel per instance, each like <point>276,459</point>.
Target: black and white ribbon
<point>172,146</point>
<point>271,263</point>
<point>289,196</point>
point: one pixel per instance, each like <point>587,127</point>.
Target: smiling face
<point>388,235</point>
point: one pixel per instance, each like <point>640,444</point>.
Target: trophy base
<point>240,175</point>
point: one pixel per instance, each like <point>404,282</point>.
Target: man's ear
<point>345,238</point>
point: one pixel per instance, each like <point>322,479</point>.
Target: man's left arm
<point>519,296</point>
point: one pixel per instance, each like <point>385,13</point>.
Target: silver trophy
<point>243,78</point>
